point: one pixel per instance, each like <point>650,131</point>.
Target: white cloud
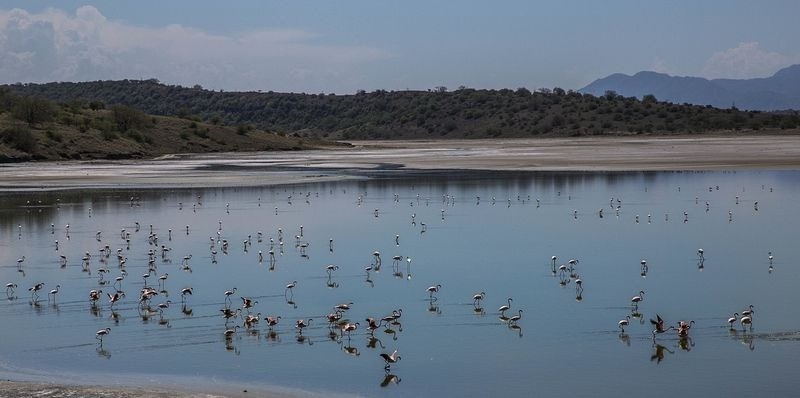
<point>747,60</point>
<point>55,46</point>
<point>660,66</point>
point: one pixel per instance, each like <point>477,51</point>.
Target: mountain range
<point>780,91</point>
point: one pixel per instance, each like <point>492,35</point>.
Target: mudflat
<point>715,152</point>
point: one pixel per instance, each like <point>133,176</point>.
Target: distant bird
<point>272,321</point>
<point>390,359</point>
<point>229,293</point>
<point>228,333</point>
<point>35,289</point>
<point>746,320</point>
<point>289,288</point>
<point>505,307</point>
<point>302,324</point>
<point>112,299</point>
<point>732,319</point>
<point>659,326</point>
<point>749,312</point>
<point>635,300</point>
<point>349,327</point>
<point>10,288</point>
<point>184,292</point>
<point>101,333</point>
<point>53,293</point>
<point>433,289</point>
<point>248,303</point>
<point>476,299</point>
<point>515,318</point>
<point>624,322</point>
<point>343,306</point>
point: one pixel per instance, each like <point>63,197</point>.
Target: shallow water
<point>567,341</point>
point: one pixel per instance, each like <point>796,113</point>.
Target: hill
<point>778,92</point>
<point>35,129</point>
<point>462,113</point>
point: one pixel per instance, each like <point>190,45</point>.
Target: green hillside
<point>33,128</point>
<point>438,113</point>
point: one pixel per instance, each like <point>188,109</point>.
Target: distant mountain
<point>781,91</point>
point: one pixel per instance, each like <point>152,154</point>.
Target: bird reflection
<point>433,307</point>
<point>517,328</point>
<point>374,342</point>
<point>658,353</point>
<point>624,339</point>
<point>686,343</point>
<point>103,353</point>
<point>389,379</point>
<point>349,349</point>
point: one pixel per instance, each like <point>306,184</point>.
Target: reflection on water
<point>187,277</point>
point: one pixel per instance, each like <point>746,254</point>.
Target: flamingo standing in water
<point>101,333</point>
<point>635,300</point>
<point>732,319</point>
<point>476,299</point>
<point>624,322</point>
<point>390,359</point>
<point>434,289</point>
<point>505,307</point>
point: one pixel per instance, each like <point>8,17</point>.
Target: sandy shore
<point>554,154</point>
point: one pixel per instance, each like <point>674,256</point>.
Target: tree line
<point>436,113</point>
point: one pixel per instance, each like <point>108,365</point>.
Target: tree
<point>610,95</point>
<point>127,118</point>
<point>649,99</point>
<point>33,110</point>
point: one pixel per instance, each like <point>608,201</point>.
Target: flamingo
<point>301,324</point>
<point>749,312</point>
<point>732,319</point>
<point>35,289</point>
<point>10,288</point>
<point>390,359</point>
<point>372,324</point>
<point>101,333</point>
<point>112,299</point>
<point>476,299</point>
<point>229,293</point>
<point>184,292</point>
<point>272,321</point>
<point>53,293</point>
<point>515,318</point>
<point>228,333</point>
<point>659,324</point>
<point>624,322</point>
<point>505,307</point>
<point>635,300</point>
<point>434,289</point>
<point>746,320</point>
<point>349,327</point>
<point>289,288</point>
<point>343,306</point>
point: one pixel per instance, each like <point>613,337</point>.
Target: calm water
<point>567,341</point>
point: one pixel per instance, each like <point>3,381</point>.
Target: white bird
<point>54,292</point>
<point>476,299</point>
<point>746,320</point>
<point>624,322</point>
<point>505,307</point>
<point>390,359</point>
<point>101,333</point>
<point>635,300</point>
<point>732,319</point>
<point>515,318</point>
<point>434,289</point>
<point>749,312</point>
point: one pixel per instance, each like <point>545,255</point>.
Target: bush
<point>20,138</point>
<point>33,110</point>
<point>127,118</point>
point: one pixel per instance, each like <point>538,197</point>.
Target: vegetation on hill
<point>438,113</point>
<point>34,128</point>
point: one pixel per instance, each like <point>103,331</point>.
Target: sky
<point>344,46</point>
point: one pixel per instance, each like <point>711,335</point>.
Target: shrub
<point>20,138</point>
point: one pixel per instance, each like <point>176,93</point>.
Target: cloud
<point>747,60</point>
<point>55,46</point>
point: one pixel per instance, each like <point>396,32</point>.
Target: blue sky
<point>343,46</point>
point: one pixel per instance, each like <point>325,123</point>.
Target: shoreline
<point>368,159</point>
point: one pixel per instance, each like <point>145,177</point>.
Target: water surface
<point>567,341</point>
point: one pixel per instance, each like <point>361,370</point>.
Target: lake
<point>469,232</point>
